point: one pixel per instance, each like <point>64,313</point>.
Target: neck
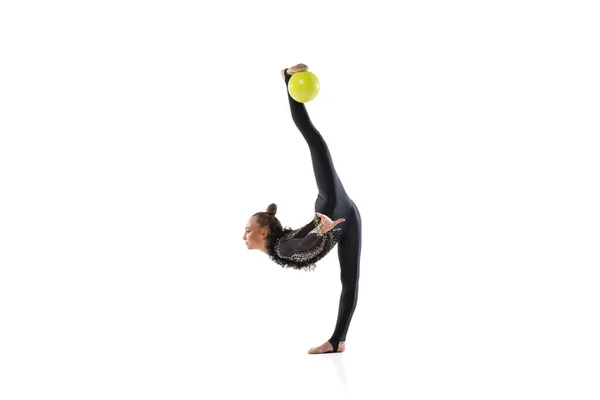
<point>265,248</point>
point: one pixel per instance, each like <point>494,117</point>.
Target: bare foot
<point>327,347</point>
<point>294,69</point>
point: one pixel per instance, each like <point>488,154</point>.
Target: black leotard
<point>300,248</point>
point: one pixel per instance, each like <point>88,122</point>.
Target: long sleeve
<point>290,246</point>
<point>302,248</point>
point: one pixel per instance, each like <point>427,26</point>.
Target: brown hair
<point>269,220</point>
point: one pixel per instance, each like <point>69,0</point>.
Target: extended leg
<point>329,184</point>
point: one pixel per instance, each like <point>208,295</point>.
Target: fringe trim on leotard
<point>306,259</point>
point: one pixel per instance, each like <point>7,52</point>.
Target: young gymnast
<point>336,221</point>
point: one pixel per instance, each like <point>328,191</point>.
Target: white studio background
<point>137,138</point>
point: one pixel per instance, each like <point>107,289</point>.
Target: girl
<point>336,221</point>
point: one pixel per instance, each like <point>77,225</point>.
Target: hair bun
<point>272,209</point>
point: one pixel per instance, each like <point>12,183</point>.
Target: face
<point>255,236</point>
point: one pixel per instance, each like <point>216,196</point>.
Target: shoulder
<point>274,239</point>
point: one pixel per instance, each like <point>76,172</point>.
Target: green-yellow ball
<point>303,86</point>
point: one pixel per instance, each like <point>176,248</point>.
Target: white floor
<point>136,331</point>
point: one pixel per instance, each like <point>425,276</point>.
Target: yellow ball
<point>303,86</point>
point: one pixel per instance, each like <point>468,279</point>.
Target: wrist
<point>318,229</point>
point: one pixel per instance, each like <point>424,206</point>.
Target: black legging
<point>335,203</point>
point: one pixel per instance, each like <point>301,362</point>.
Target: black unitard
<point>333,201</point>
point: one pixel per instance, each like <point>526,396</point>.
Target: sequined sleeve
<point>302,248</point>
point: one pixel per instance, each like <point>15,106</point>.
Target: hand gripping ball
<point>303,86</point>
